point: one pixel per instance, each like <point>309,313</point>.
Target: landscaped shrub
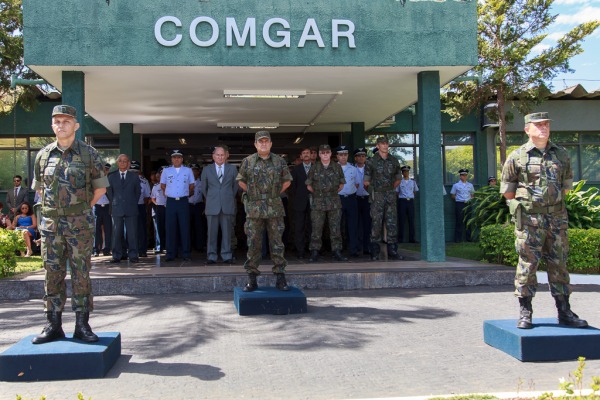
<point>497,243</point>
<point>10,243</point>
<point>583,207</point>
<point>487,207</point>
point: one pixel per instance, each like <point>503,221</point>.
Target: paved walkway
<point>351,344</point>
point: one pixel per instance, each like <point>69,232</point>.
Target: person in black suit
<point>301,203</point>
<point>16,196</point>
<point>124,192</point>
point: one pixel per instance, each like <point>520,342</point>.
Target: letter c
<point>158,31</point>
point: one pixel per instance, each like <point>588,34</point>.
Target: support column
<point>73,94</point>
<point>136,151</point>
<point>357,136</point>
<point>126,139</point>
<point>433,244</point>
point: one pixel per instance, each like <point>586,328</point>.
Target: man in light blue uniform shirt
<point>177,181</point>
<point>159,200</point>
<point>142,214</point>
<point>406,205</point>
<point>348,198</point>
<point>103,223</point>
<point>462,191</point>
<point>362,201</point>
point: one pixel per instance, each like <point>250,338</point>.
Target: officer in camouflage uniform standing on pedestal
<point>263,176</point>
<point>382,176</point>
<point>535,179</point>
<point>69,176</point>
<point>325,180</point>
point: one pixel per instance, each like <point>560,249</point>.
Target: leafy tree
<point>11,58</point>
<point>512,73</point>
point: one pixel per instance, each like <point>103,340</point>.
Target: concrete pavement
<point>351,344</point>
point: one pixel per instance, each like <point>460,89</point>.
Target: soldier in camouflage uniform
<point>382,176</point>
<point>69,176</point>
<point>324,181</point>
<point>263,176</point>
<point>535,178</point>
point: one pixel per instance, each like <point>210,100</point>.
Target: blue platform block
<point>64,359</point>
<point>269,300</point>
<point>547,341</point>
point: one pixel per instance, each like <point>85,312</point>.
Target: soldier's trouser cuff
<point>278,269</point>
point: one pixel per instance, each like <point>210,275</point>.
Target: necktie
<point>122,177</point>
<point>16,192</point>
<point>220,175</point>
<point>306,168</point>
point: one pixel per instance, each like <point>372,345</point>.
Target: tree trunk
<point>502,125</point>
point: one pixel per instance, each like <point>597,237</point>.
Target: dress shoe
<point>114,261</point>
<point>134,260</point>
<point>95,254</point>
<point>355,254</point>
<point>106,253</point>
<point>143,254</point>
<point>187,259</point>
<point>169,259</point>
<point>124,258</point>
<point>229,261</point>
<point>210,262</point>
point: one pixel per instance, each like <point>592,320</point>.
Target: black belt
<point>101,205</point>
<point>363,197</point>
<point>347,195</point>
<point>405,198</point>
<point>178,198</point>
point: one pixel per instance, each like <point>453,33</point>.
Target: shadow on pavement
<point>199,371</point>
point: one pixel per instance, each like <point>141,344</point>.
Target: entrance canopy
<point>227,66</point>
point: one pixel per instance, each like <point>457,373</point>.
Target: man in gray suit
<point>219,188</point>
<point>124,192</point>
<point>15,196</point>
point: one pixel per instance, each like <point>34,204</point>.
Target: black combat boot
<point>83,331</point>
<point>374,247</point>
<point>526,313</point>
<point>565,315</point>
<point>52,331</point>
<point>251,286</point>
<point>393,252</point>
<point>337,256</point>
<point>314,256</point>
<point>281,283</point>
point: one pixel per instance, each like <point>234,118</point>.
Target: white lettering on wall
<point>204,32</point>
<point>311,25</point>
<point>158,31</point>
<point>215,31</point>
<point>282,34</point>
<point>336,33</point>
<point>232,30</point>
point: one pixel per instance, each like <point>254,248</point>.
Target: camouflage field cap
<point>64,109</point>
<point>324,147</point>
<point>382,139</point>
<point>262,134</point>
<point>537,117</point>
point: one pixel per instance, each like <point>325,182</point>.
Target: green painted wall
<point>386,33</point>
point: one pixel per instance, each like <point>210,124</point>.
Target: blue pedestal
<point>547,341</point>
<point>269,300</point>
<point>64,359</point>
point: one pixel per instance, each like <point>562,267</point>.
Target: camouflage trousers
<point>317,219</point>
<point>74,245</point>
<point>384,212</point>
<point>542,237</point>
<point>254,228</point>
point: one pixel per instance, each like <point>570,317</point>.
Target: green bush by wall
<point>10,243</point>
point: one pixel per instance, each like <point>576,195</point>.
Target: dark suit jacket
<point>219,197</point>
<point>124,197</point>
<point>299,190</point>
<point>11,202</point>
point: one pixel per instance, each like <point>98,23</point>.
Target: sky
<point>586,65</point>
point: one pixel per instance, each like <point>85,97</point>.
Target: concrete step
<point>154,276</point>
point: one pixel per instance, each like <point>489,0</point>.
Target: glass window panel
<point>370,140</point>
<point>513,139</point>
<point>109,156</point>
<point>10,168</point>
<point>590,162</point>
<point>406,155</point>
<point>40,141</point>
<point>590,137</point>
<point>401,138</point>
<point>564,137</point>
<point>574,154</point>
<point>509,150</point>
<point>456,158</point>
<point>12,143</point>
<point>457,138</point>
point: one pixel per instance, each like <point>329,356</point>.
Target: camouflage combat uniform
<point>264,208</point>
<point>382,173</point>
<point>67,223</point>
<point>538,180</point>
<point>326,203</point>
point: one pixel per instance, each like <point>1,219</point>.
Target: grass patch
<point>467,250</point>
<point>28,264</point>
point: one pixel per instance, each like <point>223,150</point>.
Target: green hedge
<point>10,243</point>
<point>497,243</point>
